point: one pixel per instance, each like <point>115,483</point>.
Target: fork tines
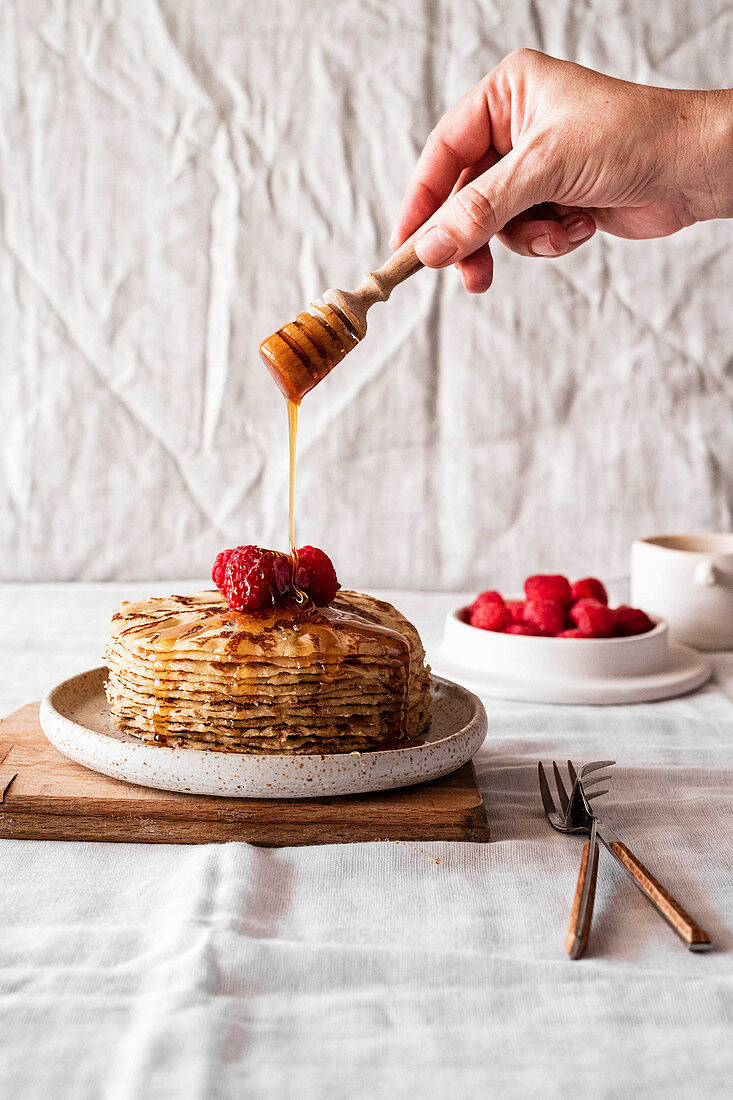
<point>576,777</point>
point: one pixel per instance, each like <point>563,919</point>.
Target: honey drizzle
<point>293,412</point>
<point>312,329</point>
<point>293,408</point>
<point>398,657</point>
<point>297,350</point>
<point>160,712</point>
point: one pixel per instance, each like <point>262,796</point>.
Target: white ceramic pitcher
<point>687,580</point>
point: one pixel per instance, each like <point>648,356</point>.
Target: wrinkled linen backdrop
<point>178,179</point>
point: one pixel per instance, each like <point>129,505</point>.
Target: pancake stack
<point>188,672</point>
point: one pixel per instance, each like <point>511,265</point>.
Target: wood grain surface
<point>375,286</point>
<point>45,796</point>
<point>688,929</point>
<point>582,933</point>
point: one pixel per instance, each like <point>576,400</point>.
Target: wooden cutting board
<point>44,796</point>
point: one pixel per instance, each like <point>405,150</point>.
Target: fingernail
<point>577,230</point>
<point>435,247</point>
<point>393,242</point>
<point>542,246</point>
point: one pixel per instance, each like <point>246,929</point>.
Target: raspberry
<point>490,615</point>
<point>316,575</point>
<point>589,588</point>
<point>522,628</point>
<point>631,620</point>
<point>219,568</point>
<point>593,618</point>
<point>255,578</point>
<point>547,616</point>
<point>486,597</point>
<point>573,634</point>
<point>549,587</point>
<point>516,610</point>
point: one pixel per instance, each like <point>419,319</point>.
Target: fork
<point>578,816</point>
<point>581,913</point>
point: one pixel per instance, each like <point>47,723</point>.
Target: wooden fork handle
<point>578,933</point>
<point>695,937</point>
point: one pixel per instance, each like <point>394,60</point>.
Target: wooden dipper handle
<point>376,286</point>
<point>576,939</point>
<point>400,265</point>
<point>686,928</point>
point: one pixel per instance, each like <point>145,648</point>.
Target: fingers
<point>477,270</point>
<point>532,235</point>
<point>475,214</point>
<point>461,138</point>
<point>528,235</point>
<point>468,175</point>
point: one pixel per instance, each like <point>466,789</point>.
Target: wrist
<point>706,154</point>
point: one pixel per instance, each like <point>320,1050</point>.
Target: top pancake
<point>202,627</point>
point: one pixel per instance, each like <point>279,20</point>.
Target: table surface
<point>385,969</point>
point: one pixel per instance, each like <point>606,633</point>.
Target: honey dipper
<point>304,351</point>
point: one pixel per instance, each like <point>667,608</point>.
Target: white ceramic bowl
<point>598,671</point>
<point>512,655</point>
<point>687,579</point>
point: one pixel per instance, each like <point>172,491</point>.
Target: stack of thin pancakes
<point>186,671</point>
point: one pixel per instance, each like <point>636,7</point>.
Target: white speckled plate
<point>75,718</point>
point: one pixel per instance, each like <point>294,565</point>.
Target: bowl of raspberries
<point>556,629</point>
<point>552,607</point>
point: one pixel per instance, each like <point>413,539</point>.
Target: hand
<point>542,152</point>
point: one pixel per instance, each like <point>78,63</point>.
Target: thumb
<point>477,212</point>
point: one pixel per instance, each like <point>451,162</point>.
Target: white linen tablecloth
<point>376,970</point>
